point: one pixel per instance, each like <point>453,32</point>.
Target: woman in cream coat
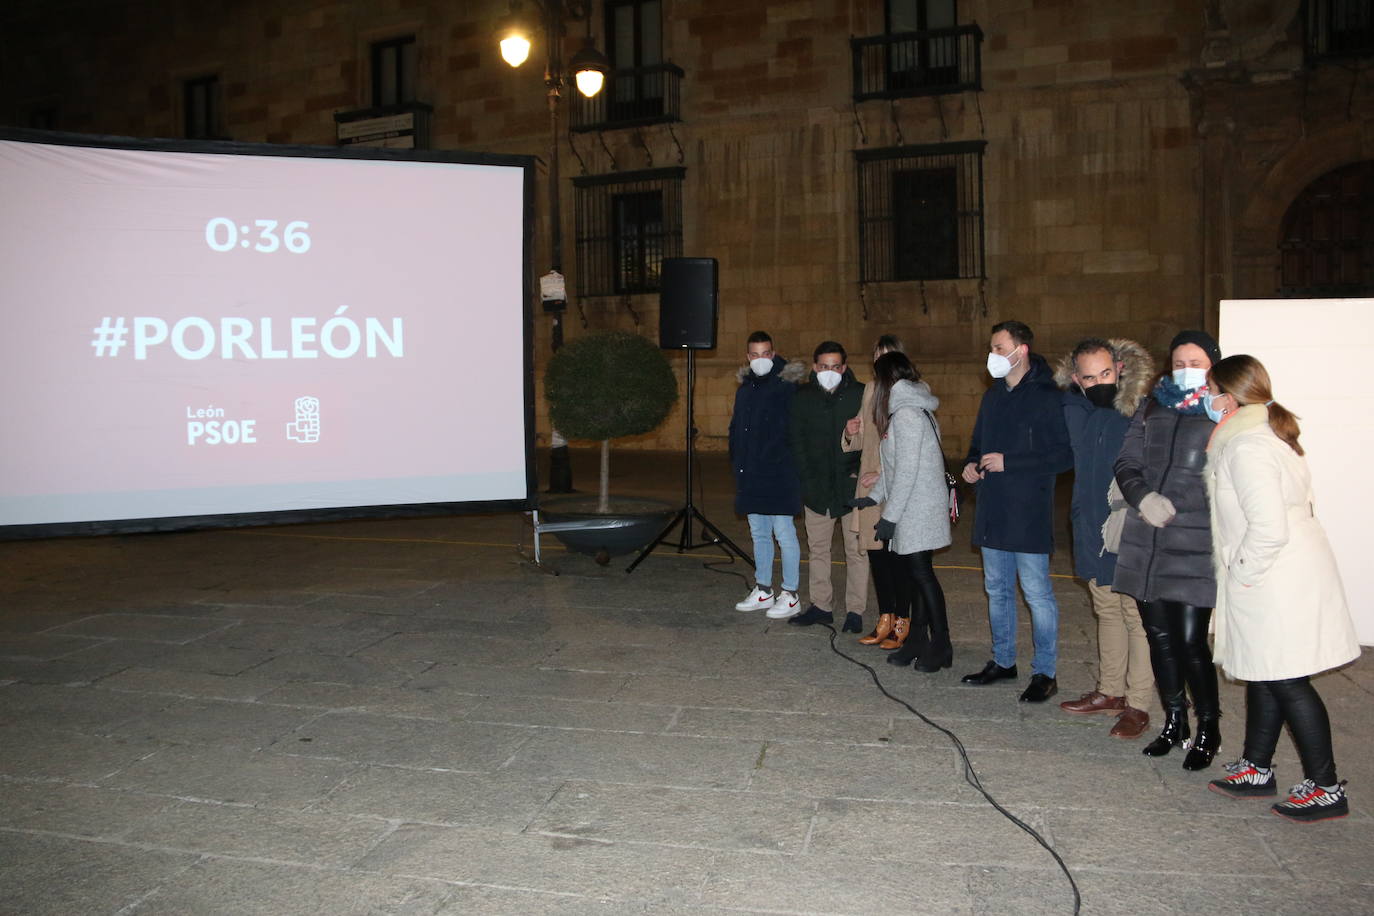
<point>1281,613</point>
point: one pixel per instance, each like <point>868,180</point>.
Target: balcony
<point>632,98</point>
<point>1339,29</point>
<point>932,62</point>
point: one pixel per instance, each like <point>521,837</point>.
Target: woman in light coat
<point>915,505</point>
<point>1281,614</point>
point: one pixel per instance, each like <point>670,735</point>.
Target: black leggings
<point>885,568</point>
<point>919,590</point>
<point>1180,655</point>
<point>1269,704</point>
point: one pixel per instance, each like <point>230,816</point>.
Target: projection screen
<point>200,335</point>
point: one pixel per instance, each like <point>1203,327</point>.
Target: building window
<point>393,72</point>
<point>201,106</point>
<point>922,51</point>
<point>627,223</point>
<point>1340,28</point>
<point>643,88</point>
<point>1326,242</point>
<point>921,212</point>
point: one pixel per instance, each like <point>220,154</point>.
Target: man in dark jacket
<point>767,489</point>
<point>1104,382</point>
<point>1020,444</point>
<point>822,407</point>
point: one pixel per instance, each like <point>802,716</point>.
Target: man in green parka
<point>828,400</point>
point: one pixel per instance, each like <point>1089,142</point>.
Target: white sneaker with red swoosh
<point>760,599</point>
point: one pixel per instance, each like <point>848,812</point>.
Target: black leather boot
<point>1204,745</point>
<point>1174,733</point>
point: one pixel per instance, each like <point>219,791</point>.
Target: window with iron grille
<point>1326,240</point>
<point>921,212</point>
<point>922,51</point>
<point>1339,28</point>
<point>627,223</point>
<point>634,37</point>
<point>393,72</point>
<point>201,108</point>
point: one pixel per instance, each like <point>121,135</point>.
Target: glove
<point>884,530</point>
<point>861,502</point>
<point>1156,509</point>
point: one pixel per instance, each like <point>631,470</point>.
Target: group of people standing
<point>1192,510</point>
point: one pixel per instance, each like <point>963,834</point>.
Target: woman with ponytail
<point>1281,614</point>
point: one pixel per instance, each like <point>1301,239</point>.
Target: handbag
<point>1116,520</point>
<point>950,480</point>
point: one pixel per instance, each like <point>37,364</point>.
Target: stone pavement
<point>405,717</point>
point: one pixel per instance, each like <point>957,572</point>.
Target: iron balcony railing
<point>1339,28</point>
<point>932,62</point>
<point>632,97</point>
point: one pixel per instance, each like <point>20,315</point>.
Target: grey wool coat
<point>912,486</point>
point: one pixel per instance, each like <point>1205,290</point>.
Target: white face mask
<point>1190,378</point>
<point>761,366</point>
<point>829,379</point>
<point>999,366</point>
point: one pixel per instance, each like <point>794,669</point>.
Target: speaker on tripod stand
<point>687,321</point>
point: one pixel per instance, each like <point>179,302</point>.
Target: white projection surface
<point>1315,352</point>
<point>193,334</point>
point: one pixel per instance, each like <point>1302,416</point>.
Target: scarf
<point>1176,399</point>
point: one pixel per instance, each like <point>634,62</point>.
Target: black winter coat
<point>1026,424</point>
<point>1165,452</point>
<point>766,481</point>
<point>1096,434</point>
<point>828,473</point>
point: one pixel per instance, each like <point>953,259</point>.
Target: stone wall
<point>1103,174</point>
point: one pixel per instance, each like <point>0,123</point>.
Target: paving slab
<point>60,876</point>
<point>263,889</point>
<point>85,811</point>
<point>615,871</point>
<point>409,702</point>
<point>367,738</point>
<point>78,708</point>
<point>271,833</point>
<point>661,760</point>
<point>232,776</point>
<point>186,684</point>
<point>506,801</point>
<point>142,627</point>
<point>216,722</point>
<point>601,715</point>
<point>38,752</point>
<point>488,681</point>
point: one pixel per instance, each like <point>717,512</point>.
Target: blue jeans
<point>763,528</point>
<point>1001,568</point>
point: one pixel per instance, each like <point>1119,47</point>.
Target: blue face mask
<point>1212,413</point>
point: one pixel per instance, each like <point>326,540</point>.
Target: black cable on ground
<point>970,775</point>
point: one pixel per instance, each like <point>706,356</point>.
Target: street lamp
<point>589,67</point>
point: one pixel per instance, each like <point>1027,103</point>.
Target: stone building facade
<point>1102,168</point>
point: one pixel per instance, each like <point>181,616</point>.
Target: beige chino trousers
<point>820,542</point>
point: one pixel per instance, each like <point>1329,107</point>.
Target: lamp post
<point>589,68</point>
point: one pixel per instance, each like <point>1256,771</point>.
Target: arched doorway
<point>1326,240</point>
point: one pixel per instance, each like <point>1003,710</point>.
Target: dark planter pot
<point>628,527</point>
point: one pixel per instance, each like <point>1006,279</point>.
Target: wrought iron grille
<point>921,212</point>
<point>931,62</point>
<point>627,223</point>
<point>642,95</point>
<point>1339,28</point>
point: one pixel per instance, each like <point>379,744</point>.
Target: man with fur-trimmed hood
<point>1104,382</point>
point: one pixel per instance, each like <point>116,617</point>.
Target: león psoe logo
<point>306,427</point>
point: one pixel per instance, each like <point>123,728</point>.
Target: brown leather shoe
<point>900,628</point>
<point>881,631</point>
<point>1131,723</point>
<point>1094,702</point>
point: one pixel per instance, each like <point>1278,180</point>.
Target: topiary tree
<point>607,385</point>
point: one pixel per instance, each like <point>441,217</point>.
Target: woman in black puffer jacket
<point>1165,561</point>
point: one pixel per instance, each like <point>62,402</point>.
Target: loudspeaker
<point>687,304</point>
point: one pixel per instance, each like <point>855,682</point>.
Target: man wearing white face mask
<point>828,474</point>
<point>1020,444</point>
<point>766,486</point>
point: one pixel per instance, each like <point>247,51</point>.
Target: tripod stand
<point>689,513</point>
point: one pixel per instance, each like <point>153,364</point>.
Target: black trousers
<point>1180,655</point>
<point>884,568</point>
<point>919,589</point>
<point>1268,705</point>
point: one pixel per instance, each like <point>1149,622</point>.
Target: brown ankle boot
<point>881,631</point>
<point>900,628</point>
